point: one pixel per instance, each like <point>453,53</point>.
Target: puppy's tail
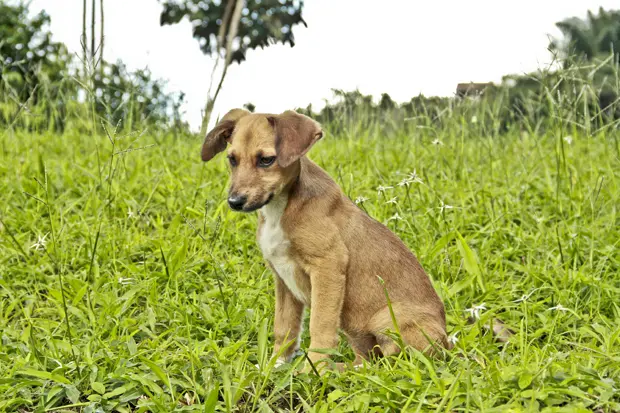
<point>500,331</point>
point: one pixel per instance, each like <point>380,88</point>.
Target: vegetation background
<point>127,285</point>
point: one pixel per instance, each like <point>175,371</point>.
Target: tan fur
<point>330,251</point>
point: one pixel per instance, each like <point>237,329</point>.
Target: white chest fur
<point>275,246</point>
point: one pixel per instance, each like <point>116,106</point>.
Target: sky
<point>399,47</point>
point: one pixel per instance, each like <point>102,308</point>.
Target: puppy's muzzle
<point>236,202</point>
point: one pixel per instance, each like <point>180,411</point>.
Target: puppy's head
<point>263,153</point>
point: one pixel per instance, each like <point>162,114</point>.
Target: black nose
<point>236,202</point>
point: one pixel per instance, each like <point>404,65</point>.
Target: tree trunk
<point>92,35</point>
<point>101,36</point>
<point>84,40</point>
<point>231,33</point>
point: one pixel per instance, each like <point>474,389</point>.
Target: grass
<point>127,285</point>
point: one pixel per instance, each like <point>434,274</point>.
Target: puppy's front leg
<point>287,321</point>
<point>328,288</point>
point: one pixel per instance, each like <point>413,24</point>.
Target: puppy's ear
<point>295,135</point>
<point>216,139</point>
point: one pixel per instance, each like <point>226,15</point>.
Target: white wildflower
<point>414,178</point>
<point>382,188</point>
<point>404,182</point>
<point>568,139</point>
<point>40,244</point>
<point>558,307</point>
<point>360,199</point>
<point>476,310</point>
<point>395,217</point>
<point>443,207</point>
<point>130,213</point>
<point>437,142</point>
<point>392,201</point>
<point>453,339</point>
<point>524,297</point>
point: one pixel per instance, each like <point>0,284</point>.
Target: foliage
<point>598,35</point>
<point>262,23</point>
<point>41,88</point>
<point>135,96</point>
<point>27,52</point>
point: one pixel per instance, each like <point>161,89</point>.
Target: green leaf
<point>441,244</point>
<point>132,346</point>
<point>179,257</point>
<point>98,387</point>
<point>211,401</point>
<point>525,380</point>
<point>44,375</point>
<point>159,372</point>
<point>335,395</point>
<point>470,261</point>
<point>73,394</point>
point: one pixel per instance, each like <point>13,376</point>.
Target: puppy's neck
<point>274,209</point>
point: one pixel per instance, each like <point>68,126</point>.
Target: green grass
<point>150,295</point>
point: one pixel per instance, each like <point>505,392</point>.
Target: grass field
<point>126,283</point>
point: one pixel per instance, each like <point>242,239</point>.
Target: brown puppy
<point>326,253</point>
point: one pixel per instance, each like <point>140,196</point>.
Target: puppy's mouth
<point>254,207</point>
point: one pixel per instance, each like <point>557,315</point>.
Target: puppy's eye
<point>266,161</point>
<point>232,160</point>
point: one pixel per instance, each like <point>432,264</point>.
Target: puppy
<point>325,252</point>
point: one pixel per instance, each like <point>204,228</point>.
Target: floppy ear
<point>295,135</point>
<point>216,139</point>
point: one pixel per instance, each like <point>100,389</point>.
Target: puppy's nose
<point>236,202</point>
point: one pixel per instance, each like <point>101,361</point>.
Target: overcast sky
<point>402,47</point>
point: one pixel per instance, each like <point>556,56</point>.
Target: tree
<point>596,36</point>
<point>232,27</point>
<point>28,56</point>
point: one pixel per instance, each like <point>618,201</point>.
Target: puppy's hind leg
<point>425,332</point>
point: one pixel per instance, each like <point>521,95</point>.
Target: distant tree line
<point>42,86</point>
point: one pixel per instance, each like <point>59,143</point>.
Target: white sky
<point>402,47</point>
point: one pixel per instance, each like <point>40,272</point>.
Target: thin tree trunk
<point>232,29</point>
<point>84,41</point>
<point>92,35</point>
<point>102,38</point>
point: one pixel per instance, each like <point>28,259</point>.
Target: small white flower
<point>395,217</point>
<point>568,139</point>
<point>40,244</point>
<point>539,219</point>
<point>130,213</point>
<point>437,142</point>
<point>558,307</point>
<point>360,199</point>
<point>453,339</point>
<point>382,188</point>
<point>125,281</point>
<point>476,310</point>
<point>414,178</point>
<point>392,201</point>
<point>443,207</point>
<point>524,297</point>
<point>404,182</point>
